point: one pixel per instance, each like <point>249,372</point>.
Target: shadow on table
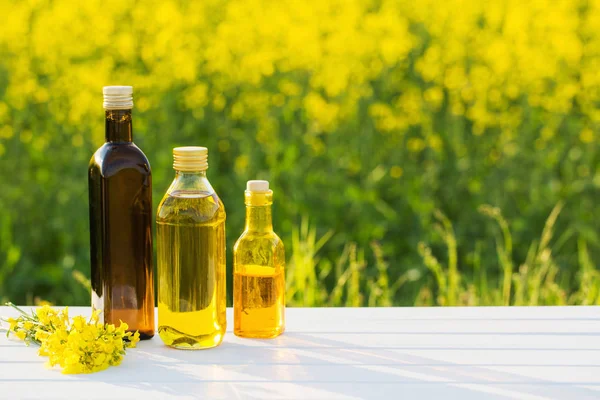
<point>303,365</point>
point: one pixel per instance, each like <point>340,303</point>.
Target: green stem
<point>18,309</point>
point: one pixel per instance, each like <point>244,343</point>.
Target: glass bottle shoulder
<point>191,207</point>
<point>264,249</point>
<point>252,238</point>
<point>113,157</point>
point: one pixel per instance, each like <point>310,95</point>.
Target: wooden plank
<point>87,389</point>
<point>332,372</point>
<point>236,355</point>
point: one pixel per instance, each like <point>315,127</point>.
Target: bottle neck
<point>258,219</point>
<point>191,182</point>
<point>118,126</point>
<point>189,176</point>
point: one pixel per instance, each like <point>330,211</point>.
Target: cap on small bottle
<point>257,186</point>
<point>118,97</point>
<point>258,193</point>
<point>190,158</point>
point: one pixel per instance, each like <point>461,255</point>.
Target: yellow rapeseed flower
<point>134,339</point>
<point>43,314</point>
<point>76,346</point>
<point>13,323</point>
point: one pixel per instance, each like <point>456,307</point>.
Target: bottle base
<point>272,334</point>
<point>191,347</point>
<point>145,335</point>
<point>181,341</point>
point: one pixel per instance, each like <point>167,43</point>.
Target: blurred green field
<point>429,153</point>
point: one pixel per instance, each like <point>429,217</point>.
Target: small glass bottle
<point>258,269</point>
<point>120,200</point>
<point>191,256</point>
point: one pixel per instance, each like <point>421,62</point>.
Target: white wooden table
<point>335,353</point>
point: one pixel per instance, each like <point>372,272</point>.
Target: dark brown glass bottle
<point>120,193</point>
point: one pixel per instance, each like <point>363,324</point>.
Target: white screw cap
<point>257,186</point>
<point>118,97</point>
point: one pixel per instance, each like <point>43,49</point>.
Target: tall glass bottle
<point>258,269</point>
<point>120,196</point>
<point>191,256</point>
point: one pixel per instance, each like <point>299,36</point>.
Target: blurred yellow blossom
<point>435,142</point>
<point>478,56</point>
<point>223,145</point>
<point>396,172</point>
<point>241,163</point>
<point>586,135</point>
<point>323,113</point>
<point>415,145</point>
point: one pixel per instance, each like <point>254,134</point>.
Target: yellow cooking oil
<point>259,269</point>
<point>191,257</point>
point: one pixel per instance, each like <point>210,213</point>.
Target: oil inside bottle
<point>259,300</point>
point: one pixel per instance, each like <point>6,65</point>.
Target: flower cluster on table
<point>76,345</point>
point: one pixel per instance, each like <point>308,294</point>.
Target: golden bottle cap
<point>190,158</point>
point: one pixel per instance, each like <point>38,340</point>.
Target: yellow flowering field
<point>417,150</point>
